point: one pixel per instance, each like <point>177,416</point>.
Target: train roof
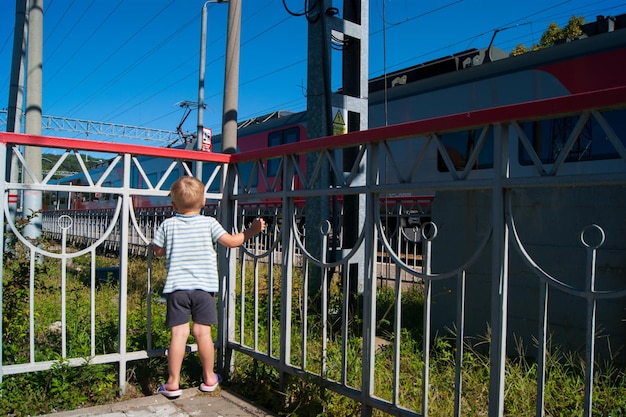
<point>264,118</point>
<point>450,63</point>
<point>601,40</point>
<point>471,58</point>
<point>604,24</point>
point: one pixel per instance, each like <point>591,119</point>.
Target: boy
<point>187,241</point>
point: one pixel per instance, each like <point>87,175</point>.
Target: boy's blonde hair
<point>188,193</point>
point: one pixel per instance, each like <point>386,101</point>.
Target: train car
<point>154,169</point>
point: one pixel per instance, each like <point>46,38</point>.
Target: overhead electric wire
<point>297,14</point>
<point>133,65</point>
<point>73,26</point>
<point>119,111</point>
<point>463,43</point>
<point>169,86</point>
<point>96,68</point>
<point>426,13</point>
<point>48,7</point>
<point>5,84</point>
<point>218,58</point>
<point>156,93</point>
<point>84,43</point>
<point>6,41</point>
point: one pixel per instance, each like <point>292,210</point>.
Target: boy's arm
<point>232,241</point>
<point>158,251</point>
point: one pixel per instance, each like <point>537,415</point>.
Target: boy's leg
<point>176,354</point>
<point>206,351</point>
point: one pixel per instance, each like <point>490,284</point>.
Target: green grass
<point>564,377</point>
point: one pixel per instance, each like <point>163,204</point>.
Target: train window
<point>292,135</point>
<point>280,137</point>
<point>549,136</point>
<point>460,145</point>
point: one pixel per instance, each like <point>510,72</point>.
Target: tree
<point>69,166</point>
<point>519,49</point>
<point>555,34</point>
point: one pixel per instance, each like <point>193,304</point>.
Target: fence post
<point>123,277</point>
<point>3,157</point>
<point>499,283</point>
<point>226,312</point>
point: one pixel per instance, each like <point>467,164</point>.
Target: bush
<point>63,387</point>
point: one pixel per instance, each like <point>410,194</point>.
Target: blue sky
<point>133,62</point>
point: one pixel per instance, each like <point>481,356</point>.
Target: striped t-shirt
<point>190,256</point>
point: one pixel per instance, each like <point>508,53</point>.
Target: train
<point>465,82</point>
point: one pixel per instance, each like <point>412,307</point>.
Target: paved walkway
<point>191,403</point>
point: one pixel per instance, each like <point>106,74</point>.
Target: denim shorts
<point>200,305</point>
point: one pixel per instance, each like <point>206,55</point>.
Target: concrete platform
<point>192,403</point>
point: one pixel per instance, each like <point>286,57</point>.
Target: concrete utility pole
<point>229,145</point>
<point>231,78</point>
<point>32,155</point>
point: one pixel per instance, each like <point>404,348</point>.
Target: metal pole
<point>123,276</point>
<point>355,85</point>
<point>16,88</point>
<point>500,276</point>
<point>32,154</point>
<point>201,75</point>
<point>16,96</point>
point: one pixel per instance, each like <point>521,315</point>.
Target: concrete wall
<point>550,221</point>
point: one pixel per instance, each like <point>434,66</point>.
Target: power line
<point>68,60</point>
<point>73,26</point>
<point>112,54</point>
<point>133,65</point>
